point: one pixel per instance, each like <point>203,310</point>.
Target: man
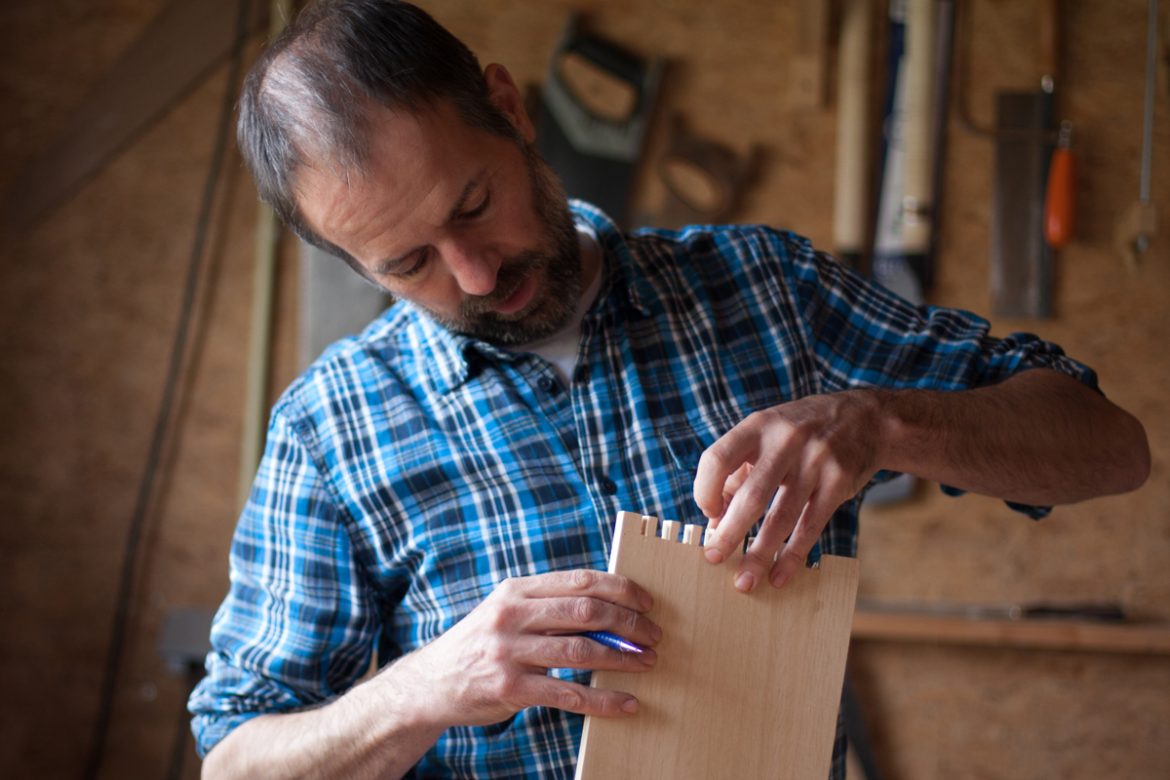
<point>444,485</point>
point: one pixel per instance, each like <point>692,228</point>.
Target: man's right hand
<point>495,661</point>
<point>486,668</point>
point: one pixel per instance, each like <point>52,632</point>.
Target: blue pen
<point>613,640</point>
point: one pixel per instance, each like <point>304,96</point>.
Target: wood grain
<point>746,685</point>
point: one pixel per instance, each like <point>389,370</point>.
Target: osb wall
<point>88,306</point>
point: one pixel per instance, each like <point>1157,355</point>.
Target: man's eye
<point>415,265</point>
<point>481,208</point>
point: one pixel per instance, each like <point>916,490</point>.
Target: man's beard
<point>557,257</point>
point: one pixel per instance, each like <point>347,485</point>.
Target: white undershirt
<point>560,349</point>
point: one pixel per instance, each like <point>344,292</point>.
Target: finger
<point>612,588</point>
<point>579,652</point>
<point>733,483</point>
<point>736,479</point>
<point>584,613</point>
<point>564,695</point>
<point>718,463</point>
<point>808,530</point>
<point>778,524</point>
<point>747,506</point>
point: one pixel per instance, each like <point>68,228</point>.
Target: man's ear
<point>505,96</point>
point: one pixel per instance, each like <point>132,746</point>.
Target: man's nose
<point>474,268</point>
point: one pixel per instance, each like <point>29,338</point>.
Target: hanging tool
<point>917,201</point>
<point>705,179</point>
<point>944,42</point>
<point>1021,259</point>
<point>910,189</point>
<point>1137,229</point>
<point>1060,211</point>
<point>595,151</point>
<point>852,171</point>
<point>897,244</point>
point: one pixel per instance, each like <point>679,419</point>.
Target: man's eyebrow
<point>461,202</point>
<point>389,264</point>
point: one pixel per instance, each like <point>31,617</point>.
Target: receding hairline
<point>319,190</point>
<point>309,98</point>
<point>348,169</point>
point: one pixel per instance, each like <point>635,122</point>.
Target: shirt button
<point>608,486</point>
<point>545,384</point>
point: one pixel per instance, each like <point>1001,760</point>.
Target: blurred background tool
<point>918,70</point>
<point>1060,206</point>
<point>851,188</point>
<point>595,107</point>
<point>705,179</point>
<point>1137,228</point>
<point>1021,259</point>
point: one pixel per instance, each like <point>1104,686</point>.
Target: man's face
<point>471,226</point>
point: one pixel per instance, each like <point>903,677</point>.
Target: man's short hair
<point>309,96</point>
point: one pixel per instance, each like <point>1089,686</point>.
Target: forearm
<point>1039,437</point>
<point>377,729</point>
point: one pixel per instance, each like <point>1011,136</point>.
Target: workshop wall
<point>88,308</point>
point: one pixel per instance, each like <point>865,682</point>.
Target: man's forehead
<point>418,167</point>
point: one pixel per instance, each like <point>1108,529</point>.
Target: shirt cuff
<point>1035,512</point>
<point>209,730</point>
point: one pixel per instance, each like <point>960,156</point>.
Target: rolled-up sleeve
<point>296,627</point>
<point>865,336</point>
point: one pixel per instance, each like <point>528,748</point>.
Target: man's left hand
<point>793,464</point>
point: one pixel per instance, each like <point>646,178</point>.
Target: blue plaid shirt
<point>410,470</point>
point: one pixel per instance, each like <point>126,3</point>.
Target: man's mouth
<point>518,298</point>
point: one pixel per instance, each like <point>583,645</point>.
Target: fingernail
<point>713,555</point>
<point>655,632</point>
<point>745,582</point>
<point>779,577</point>
<point>630,706</point>
<point>645,602</point>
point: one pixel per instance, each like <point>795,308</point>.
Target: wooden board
<point>1138,638</point>
<point>746,686</point>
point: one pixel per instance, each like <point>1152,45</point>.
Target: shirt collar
<point>617,258</point>
<point>450,359</point>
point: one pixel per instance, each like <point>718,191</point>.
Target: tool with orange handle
<point>1060,208</point>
